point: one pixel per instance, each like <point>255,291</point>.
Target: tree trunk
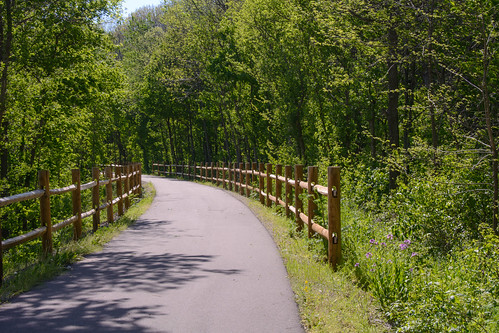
<point>434,131</point>
<point>5,55</point>
<point>393,98</point>
<point>172,144</point>
<point>488,121</point>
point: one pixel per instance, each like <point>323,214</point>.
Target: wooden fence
<point>128,182</point>
<point>246,178</point>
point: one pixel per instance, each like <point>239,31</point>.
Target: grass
<point>25,278</point>
<point>329,301</point>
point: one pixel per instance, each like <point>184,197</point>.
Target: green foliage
<point>460,294</point>
<point>387,265</point>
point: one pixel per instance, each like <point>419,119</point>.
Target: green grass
<point>329,301</point>
<point>26,276</point>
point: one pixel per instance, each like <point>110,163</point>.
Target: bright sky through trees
<point>129,6</point>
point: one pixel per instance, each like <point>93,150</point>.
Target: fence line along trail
<point>197,261</point>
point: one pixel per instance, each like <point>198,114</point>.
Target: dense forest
<point>402,94</point>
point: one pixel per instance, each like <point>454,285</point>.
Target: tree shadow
<point>97,293</point>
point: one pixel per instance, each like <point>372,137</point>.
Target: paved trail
<point>197,261</point>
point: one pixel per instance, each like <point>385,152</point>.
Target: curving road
<point>197,261</point>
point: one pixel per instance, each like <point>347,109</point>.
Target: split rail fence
<point>128,183</point>
<point>246,178</point>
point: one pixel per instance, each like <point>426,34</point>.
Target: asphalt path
<point>197,261</point>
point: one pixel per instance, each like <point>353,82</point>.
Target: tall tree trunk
<point>163,141</point>
<point>172,144</point>
<point>206,143</point>
<point>226,133</point>
<point>488,121</point>
<point>393,99</point>
<point>372,127</point>
<point>5,57</point>
<point>434,130</point>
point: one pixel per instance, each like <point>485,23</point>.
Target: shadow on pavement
<point>96,294</point>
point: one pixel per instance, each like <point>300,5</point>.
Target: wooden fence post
<point>212,172</point>
<point>131,179</point>
<point>254,168</point>
<point>224,184</point>
<point>218,174</point>
<point>235,174</point>
<point>261,185</point>
<point>230,176</point>
<point>45,217</point>
<point>139,182</point>
<point>241,173</point>
<point>95,198</point>
<point>247,179</point>
<point>334,215</point>
<point>119,189</point>
<point>313,177</point>
<point>288,189</point>
<point>127,186</point>
<point>298,192</point>
<point>136,177</point>
<point>269,184</point>
<point>278,184</point>
<point>76,197</point>
<point>109,194</point>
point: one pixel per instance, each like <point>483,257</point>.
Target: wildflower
<point>389,261</point>
<point>372,269</point>
<point>357,264</point>
<point>407,241</point>
<point>369,255</point>
<point>373,241</point>
<point>389,236</point>
<point>383,244</point>
<point>413,254</point>
<point>411,269</point>
<point>403,246</point>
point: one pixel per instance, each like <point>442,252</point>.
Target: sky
<point>129,6</point>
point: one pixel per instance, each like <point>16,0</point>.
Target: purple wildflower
<point>383,244</point>
<point>403,246</point>
<point>389,261</point>
<point>373,241</point>
<point>413,254</point>
<point>407,241</point>
<point>357,264</point>
<point>369,255</point>
<point>389,236</point>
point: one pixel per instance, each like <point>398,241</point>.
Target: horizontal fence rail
<point>247,178</point>
<point>128,183</point>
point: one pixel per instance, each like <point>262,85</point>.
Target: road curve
<point>197,261</point>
